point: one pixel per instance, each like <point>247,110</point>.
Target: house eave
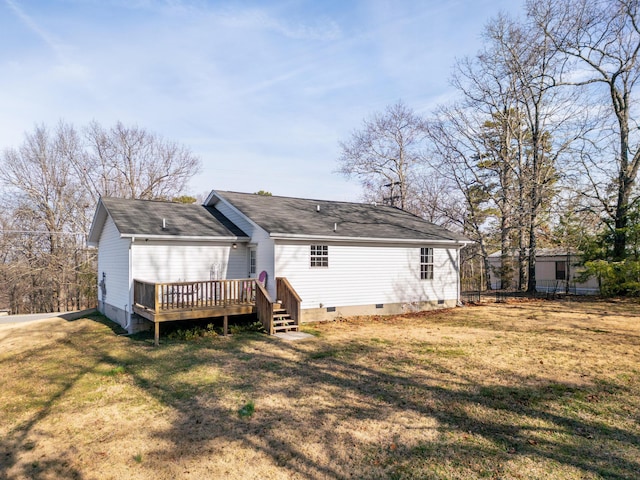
<point>327,238</point>
<point>190,238</point>
<point>97,224</point>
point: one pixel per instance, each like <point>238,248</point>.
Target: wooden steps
<point>282,321</point>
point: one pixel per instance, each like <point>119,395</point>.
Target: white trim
<point>128,312</point>
<point>185,237</point>
<point>99,216</point>
<point>457,268</point>
<point>220,198</point>
<point>324,238</point>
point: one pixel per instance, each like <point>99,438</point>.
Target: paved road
<point>27,318</point>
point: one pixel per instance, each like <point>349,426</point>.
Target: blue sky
<point>261,91</point>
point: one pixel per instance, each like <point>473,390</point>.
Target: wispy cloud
<point>35,28</point>
<point>323,28</point>
<point>266,88</point>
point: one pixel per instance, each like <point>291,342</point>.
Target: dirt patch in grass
<point>517,390</point>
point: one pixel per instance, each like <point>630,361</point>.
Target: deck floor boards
<point>175,314</point>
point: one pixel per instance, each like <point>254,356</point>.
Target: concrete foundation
<point>123,318</point>
<point>332,313</point>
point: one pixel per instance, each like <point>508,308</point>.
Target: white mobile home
<point>556,271</point>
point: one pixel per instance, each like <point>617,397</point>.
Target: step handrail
<point>264,308</point>
<point>290,299</point>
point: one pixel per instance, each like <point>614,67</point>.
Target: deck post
<point>156,336</point>
<point>225,325</point>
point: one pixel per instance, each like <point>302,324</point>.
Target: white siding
<point>366,274</point>
<point>546,271</point>
<point>236,217</point>
<point>265,260</point>
<point>113,261</point>
<point>157,261</point>
<point>260,238</point>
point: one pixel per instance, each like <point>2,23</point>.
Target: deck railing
<point>191,295</point>
<point>144,294</point>
<point>264,308</point>
<point>289,297</point>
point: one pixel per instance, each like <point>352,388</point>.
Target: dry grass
<point>524,390</point>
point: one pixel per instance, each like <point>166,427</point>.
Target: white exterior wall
<point>265,259</point>
<point>167,261</point>
<point>260,239</point>
<point>113,261</point>
<point>366,274</point>
<point>546,271</point>
<point>546,268</point>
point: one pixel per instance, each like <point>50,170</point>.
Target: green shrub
<point>614,278</point>
<point>251,327</point>
<point>247,410</point>
<point>195,333</point>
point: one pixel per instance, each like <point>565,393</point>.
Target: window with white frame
<point>426,263</point>
<point>319,256</point>
<point>252,261</point>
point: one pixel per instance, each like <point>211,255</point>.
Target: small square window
<point>319,256</point>
<point>426,263</point>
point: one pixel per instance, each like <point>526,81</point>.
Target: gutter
<point>185,237</point>
<point>293,236</point>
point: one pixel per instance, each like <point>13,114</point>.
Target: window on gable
<point>319,256</point>
<point>426,263</point>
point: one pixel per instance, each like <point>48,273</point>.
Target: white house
<point>339,258</point>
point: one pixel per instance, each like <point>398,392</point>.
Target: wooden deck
<point>175,301</point>
<point>164,302</point>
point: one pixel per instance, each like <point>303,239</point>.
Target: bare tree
<point>434,198</point>
<point>52,182</point>
<point>454,150</point>
<point>502,142</point>
<point>383,154</point>
<point>533,64</point>
<point>513,82</point>
<point>48,208</point>
<point>131,162</point>
<point>601,42</point>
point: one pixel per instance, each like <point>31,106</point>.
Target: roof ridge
<point>299,216</point>
<point>373,204</point>
<point>150,200</point>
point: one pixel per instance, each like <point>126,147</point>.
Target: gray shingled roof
<point>144,217</point>
<point>540,252</point>
<point>297,216</point>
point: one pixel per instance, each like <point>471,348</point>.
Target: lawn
<point>540,389</point>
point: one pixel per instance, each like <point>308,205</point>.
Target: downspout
<point>130,268</point>
<point>459,299</point>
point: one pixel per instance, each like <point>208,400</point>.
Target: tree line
<point>541,146</point>
<point>51,185</point>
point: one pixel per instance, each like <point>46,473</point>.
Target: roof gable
<point>286,216</point>
<point>163,219</point>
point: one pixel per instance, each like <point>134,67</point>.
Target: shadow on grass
<point>478,428</point>
<point>89,313</point>
<point>57,386</point>
<point>513,427</point>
